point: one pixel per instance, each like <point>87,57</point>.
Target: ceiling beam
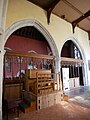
<point>50,4</point>
<point>50,8</point>
<point>75,22</point>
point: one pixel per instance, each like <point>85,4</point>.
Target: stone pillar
<point>1,79</point>
<point>1,6</point>
<point>57,65</point>
<point>3,10</point>
<point>57,71</point>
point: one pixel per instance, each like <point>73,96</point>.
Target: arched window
<point>70,50</point>
<point>76,53</point>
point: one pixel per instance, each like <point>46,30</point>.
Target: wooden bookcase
<point>39,81</point>
<point>45,83</point>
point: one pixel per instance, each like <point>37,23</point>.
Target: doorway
<point>81,76</point>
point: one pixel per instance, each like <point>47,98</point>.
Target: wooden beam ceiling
<point>30,32</point>
<point>49,5</point>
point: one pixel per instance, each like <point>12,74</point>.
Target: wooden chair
<point>12,105</point>
<point>4,110</point>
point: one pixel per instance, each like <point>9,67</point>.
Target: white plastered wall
<point>83,41</point>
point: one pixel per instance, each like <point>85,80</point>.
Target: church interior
<point>42,76</point>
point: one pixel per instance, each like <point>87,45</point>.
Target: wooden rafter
<point>47,5</point>
<point>75,22</point>
<point>72,60</point>
<point>33,55</point>
<point>50,8</point>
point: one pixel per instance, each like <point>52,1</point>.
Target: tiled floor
<point>71,110</point>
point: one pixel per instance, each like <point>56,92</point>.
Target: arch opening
<point>41,29</point>
<point>72,62</point>
<point>38,27</point>
<point>16,29</point>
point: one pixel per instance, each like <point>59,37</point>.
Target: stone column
<point>57,71</point>
<point>2,52</point>
<point>1,6</point>
<point>3,10</point>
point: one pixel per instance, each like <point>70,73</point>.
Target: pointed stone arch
<point>41,29</point>
<point>76,42</point>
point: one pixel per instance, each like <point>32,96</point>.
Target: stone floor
<point>77,91</point>
<point>71,110</point>
<point>81,95</point>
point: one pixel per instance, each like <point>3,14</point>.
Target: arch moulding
<point>41,29</point>
<point>76,42</point>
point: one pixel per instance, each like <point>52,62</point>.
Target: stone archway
<point>76,42</point>
<point>41,29</point>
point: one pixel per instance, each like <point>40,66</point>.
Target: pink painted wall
<point>23,44</point>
